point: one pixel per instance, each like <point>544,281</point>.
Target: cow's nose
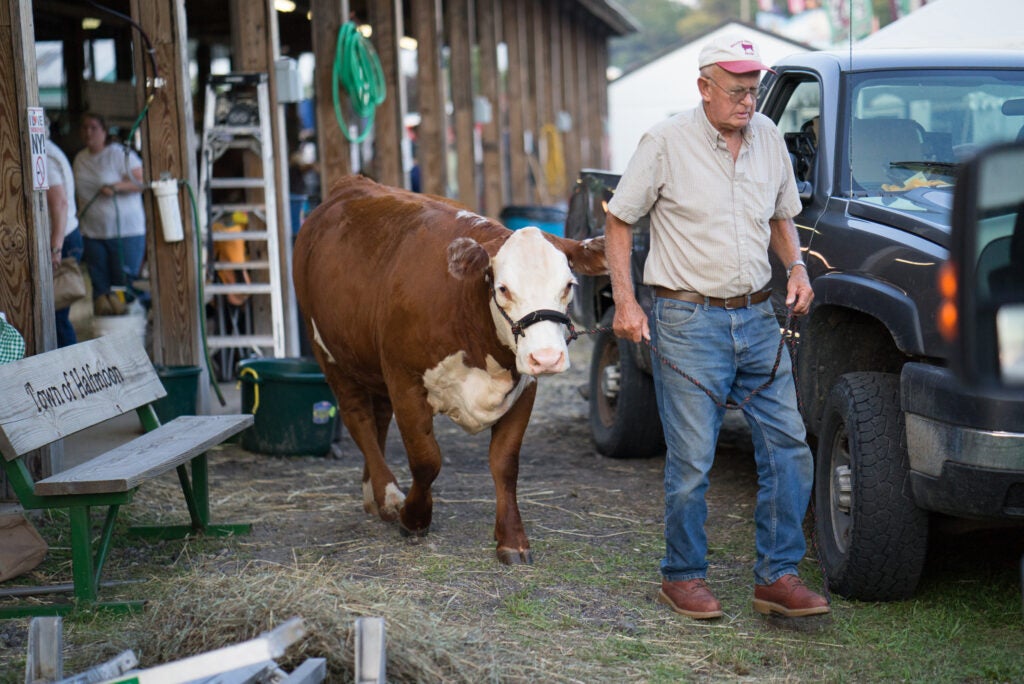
<point>546,361</point>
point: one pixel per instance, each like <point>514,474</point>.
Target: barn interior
<point>496,104</point>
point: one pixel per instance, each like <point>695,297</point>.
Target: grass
<point>584,612</point>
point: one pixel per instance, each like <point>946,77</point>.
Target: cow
<point>415,306</point>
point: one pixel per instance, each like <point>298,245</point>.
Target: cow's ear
<point>585,257</point>
<point>467,258</point>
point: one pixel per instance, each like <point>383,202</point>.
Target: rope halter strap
<point>519,327</point>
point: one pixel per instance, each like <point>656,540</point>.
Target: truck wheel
<point>624,421</point>
<point>871,535</point>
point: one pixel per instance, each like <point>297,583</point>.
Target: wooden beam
<point>551,139</point>
<point>514,34</point>
<point>584,95</point>
<point>333,149</point>
<point>389,131</point>
<point>596,51</point>
<point>168,133</point>
<point>256,48</point>
<point>494,150</point>
<point>601,99</point>
<point>570,102</point>
<point>540,71</point>
<point>432,137</point>
<point>458,29</point>
<point>26,282</point>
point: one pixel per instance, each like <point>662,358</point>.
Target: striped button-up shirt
<point>709,214</point>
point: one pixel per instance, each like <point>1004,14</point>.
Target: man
<point>720,191</point>
<point>65,238</point>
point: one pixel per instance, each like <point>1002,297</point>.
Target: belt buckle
<point>727,303</point>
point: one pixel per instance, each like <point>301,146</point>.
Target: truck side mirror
<point>983,287</point>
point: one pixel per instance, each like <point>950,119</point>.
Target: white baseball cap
<point>733,53</point>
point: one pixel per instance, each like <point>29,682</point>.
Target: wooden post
<point>333,149</point>
<point>570,102</point>
<point>168,140</point>
<point>539,76</point>
<point>514,34</point>
<point>458,26</point>
<point>433,133</point>
<point>255,46</point>
<point>554,138</point>
<point>26,282</point>
<point>585,96</point>
<point>604,159</point>
<point>389,131</point>
<point>491,138</point>
<point>598,125</point>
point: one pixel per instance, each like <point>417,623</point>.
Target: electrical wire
<point>357,69</point>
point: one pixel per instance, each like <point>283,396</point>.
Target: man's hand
<point>799,294</point>
<point>631,321</point>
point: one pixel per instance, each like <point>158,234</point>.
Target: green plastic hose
<point>357,69</point>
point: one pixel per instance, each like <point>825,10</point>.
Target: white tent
<point>945,24</point>
<point>667,85</point>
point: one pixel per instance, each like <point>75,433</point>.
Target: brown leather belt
<point>740,302</point>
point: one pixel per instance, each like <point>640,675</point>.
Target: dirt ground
<point>584,611</point>
<point>565,487</point>
<point>595,527</point>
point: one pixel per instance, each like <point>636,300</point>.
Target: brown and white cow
<point>410,302</point>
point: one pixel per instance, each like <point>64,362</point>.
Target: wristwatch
<point>789,269</point>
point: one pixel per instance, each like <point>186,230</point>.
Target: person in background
<point>108,181</point>
<point>719,188</point>
<point>65,238</point>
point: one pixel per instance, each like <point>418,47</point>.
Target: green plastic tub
<point>182,385</point>
<point>293,407</point>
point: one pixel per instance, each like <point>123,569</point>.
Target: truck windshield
<point>910,130</point>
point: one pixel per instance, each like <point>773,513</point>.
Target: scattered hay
<point>203,611</point>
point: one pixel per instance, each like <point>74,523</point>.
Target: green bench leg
<point>86,569</point>
<point>197,498</point>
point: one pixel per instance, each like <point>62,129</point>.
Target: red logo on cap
<point>745,45</point>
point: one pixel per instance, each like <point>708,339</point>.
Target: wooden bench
<point>50,396</point>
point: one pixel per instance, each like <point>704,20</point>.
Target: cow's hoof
<point>406,532</point>
<point>515,556</point>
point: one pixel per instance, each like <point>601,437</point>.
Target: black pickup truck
<point>876,139</point>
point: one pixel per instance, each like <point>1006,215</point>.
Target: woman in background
<point>108,183</point>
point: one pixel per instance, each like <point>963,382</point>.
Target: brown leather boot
<point>788,596</point>
<point>691,598</point>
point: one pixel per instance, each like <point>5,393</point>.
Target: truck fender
<point>887,304</point>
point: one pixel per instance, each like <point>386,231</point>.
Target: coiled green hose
<point>357,69</point>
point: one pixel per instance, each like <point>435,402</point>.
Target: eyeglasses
<point>737,95</point>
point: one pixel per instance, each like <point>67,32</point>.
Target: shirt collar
<point>712,135</point>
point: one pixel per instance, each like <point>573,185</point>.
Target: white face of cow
<point>530,274</point>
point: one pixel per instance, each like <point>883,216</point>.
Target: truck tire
<point>624,420</point>
<point>872,537</point>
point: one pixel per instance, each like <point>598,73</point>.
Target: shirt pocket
<point>760,200</point>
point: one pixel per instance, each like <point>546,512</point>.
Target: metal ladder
<point>237,117</point>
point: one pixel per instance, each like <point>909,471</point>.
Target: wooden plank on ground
<point>45,661</point>
<point>267,646</point>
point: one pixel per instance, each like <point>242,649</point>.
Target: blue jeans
<point>65,331</point>
<point>730,352</point>
<point>114,261</point>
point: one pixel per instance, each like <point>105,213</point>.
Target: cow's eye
<point>502,290</point>
<point>568,290</point>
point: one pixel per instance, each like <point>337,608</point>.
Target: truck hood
<point>925,212</point>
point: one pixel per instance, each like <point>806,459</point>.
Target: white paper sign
<point>37,134</point>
